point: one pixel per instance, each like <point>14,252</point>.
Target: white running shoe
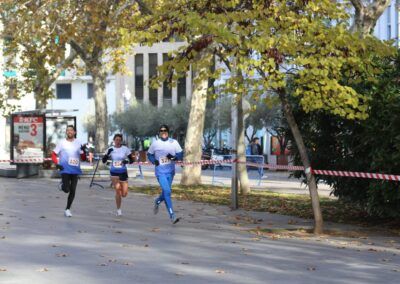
<point>119,212</point>
<point>67,213</point>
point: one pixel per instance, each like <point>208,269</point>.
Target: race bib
<point>117,164</point>
<point>73,162</point>
<point>164,161</point>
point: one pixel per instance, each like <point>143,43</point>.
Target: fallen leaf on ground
<point>311,268</point>
<point>220,271</point>
<point>3,269</point>
<point>61,255</point>
<point>44,269</point>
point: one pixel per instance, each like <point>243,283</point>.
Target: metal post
<point>94,174</point>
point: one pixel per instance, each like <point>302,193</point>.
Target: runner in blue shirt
<point>119,155</point>
<point>163,153</point>
<point>69,153</point>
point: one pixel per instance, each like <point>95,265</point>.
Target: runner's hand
<point>109,151</point>
<point>157,163</point>
<point>126,161</point>
<point>59,167</point>
<point>171,157</point>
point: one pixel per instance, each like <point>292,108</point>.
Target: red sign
<point>28,137</point>
<point>276,147</point>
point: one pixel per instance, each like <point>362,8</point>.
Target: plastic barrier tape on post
<point>268,166</point>
<point>357,174</point>
<point>26,160</point>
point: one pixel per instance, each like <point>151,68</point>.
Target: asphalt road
<point>212,244</point>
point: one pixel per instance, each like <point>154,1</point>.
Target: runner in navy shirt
<point>69,152</point>
<point>119,155</point>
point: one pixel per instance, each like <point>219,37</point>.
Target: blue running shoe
<point>175,219</point>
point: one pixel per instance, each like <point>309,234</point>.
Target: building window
<point>167,91</point>
<point>63,91</point>
<point>139,77</point>
<point>181,90</point>
<point>90,90</point>
<point>153,93</point>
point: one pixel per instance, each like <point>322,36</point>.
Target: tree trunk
<point>191,174</point>
<point>312,185</point>
<point>100,103</point>
<point>39,103</point>
<point>366,17</point>
<point>241,151</point>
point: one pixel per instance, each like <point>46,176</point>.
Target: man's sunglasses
<point>163,130</point>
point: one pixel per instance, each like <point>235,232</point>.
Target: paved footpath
<point>212,244</point>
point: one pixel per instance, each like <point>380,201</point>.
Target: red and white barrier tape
<point>26,160</point>
<point>230,161</point>
<point>357,174</point>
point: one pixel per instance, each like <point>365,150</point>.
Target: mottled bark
<point>101,115</point>
<point>366,16</point>
<point>311,182</point>
<point>191,174</point>
<point>241,151</point>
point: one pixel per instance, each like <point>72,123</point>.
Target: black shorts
<point>121,176</point>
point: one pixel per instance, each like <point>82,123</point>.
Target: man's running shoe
<point>119,212</point>
<point>156,206</point>
<point>175,219</point>
<point>67,213</point>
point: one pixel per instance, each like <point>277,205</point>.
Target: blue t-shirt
<point>69,156</point>
<point>117,156</point>
<point>160,149</point>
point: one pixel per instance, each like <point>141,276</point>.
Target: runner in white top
<point>119,155</point>
<point>69,152</point>
<point>163,153</point>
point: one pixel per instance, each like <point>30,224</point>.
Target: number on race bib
<point>117,164</point>
<point>73,162</point>
<point>164,161</point>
